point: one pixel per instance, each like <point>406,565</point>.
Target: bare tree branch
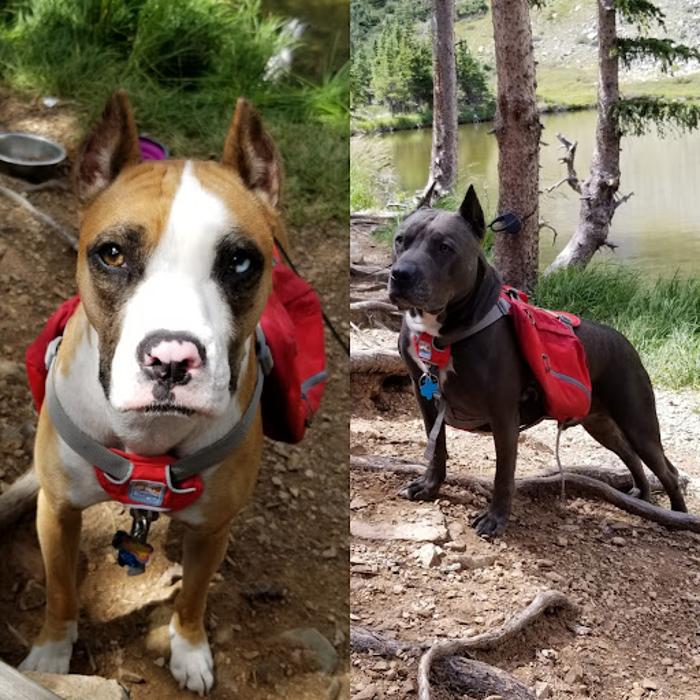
<point>569,147</point>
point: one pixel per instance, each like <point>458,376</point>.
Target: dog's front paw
<point>421,489</point>
<point>52,657</point>
<point>490,524</point>
<point>191,664</point>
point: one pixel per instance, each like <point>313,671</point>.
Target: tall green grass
<point>372,181</point>
<point>660,317</point>
<point>184,63</point>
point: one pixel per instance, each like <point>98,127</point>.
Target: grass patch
<point>660,318</point>
<point>184,64</point>
<point>372,179</point>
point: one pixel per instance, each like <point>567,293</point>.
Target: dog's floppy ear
<point>471,212</point>
<point>113,143</point>
<point>251,152</point>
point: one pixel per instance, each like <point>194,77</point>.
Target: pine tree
<point>618,116</point>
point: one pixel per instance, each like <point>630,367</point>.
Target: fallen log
<point>468,677</point>
<point>379,361</point>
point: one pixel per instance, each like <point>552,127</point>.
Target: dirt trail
<point>286,566</point>
<point>636,584</point>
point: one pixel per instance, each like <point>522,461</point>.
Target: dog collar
<point>117,470</point>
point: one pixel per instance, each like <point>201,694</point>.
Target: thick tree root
<point>538,486</point>
<point>465,675</point>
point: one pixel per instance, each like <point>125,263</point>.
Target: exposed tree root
<point>466,675</point>
<point>576,485</point>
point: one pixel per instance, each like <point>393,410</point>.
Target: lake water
<point>657,230</point>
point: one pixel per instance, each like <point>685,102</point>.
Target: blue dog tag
<point>428,386</point>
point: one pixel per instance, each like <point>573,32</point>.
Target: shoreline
<point>419,120</point>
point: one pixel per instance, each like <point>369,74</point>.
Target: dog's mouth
<point>162,409</point>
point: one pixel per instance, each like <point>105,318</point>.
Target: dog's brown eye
<point>398,240</point>
<point>111,255</point>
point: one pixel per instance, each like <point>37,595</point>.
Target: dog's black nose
<point>170,357</point>
<point>400,274</point>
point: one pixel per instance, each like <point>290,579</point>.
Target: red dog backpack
<point>555,355</point>
<point>293,326</point>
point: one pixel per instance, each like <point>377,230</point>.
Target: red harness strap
<point>149,484</point>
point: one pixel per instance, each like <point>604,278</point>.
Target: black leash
<point>326,320</point>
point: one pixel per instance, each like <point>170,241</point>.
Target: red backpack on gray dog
<point>293,326</point>
<point>555,355</point>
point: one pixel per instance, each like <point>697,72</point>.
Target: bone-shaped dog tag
<point>428,386</point>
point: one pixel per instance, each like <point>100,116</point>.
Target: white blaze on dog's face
<point>174,264</point>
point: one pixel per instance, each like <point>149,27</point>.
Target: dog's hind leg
<point>190,656</point>
<point>58,528</point>
<point>604,430</point>
<point>641,429</point>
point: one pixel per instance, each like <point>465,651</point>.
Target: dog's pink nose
<point>170,357</point>
<point>169,352</point>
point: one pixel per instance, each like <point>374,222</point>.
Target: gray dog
<point>442,281</point>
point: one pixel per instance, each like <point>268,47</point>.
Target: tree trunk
<point>518,131</point>
<point>443,159</point>
<point>598,192</point>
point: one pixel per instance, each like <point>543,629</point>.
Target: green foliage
<point>184,64</point>
<point>472,82</point>
<point>637,115</point>
<point>660,318</point>
<point>641,12</point>
<point>372,181</point>
<point>665,51</point>
<point>393,61</point>
<point>470,8</point>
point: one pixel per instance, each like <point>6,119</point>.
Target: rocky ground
<point>635,583</point>
<point>278,608</point>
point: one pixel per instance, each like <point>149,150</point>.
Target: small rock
<point>33,596</point>
<point>429,555</point>
<point>412,532</point>
<point>369,692</point>
<point>322,654</point>
<point>649,684</point>
<point>73,685</point>
<point>619,541</point>
<point>542,690</point>
<point>129,676</point>
<point>223,634</point>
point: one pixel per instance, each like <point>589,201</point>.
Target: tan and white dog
<point>174,270</point>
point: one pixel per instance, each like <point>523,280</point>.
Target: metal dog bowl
<point>29,156</point>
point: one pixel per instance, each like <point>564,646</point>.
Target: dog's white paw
<point>52,657</point>
<point>191,664</point>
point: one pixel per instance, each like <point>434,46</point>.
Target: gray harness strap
<point>119,468</point>
<point>501,308</point>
